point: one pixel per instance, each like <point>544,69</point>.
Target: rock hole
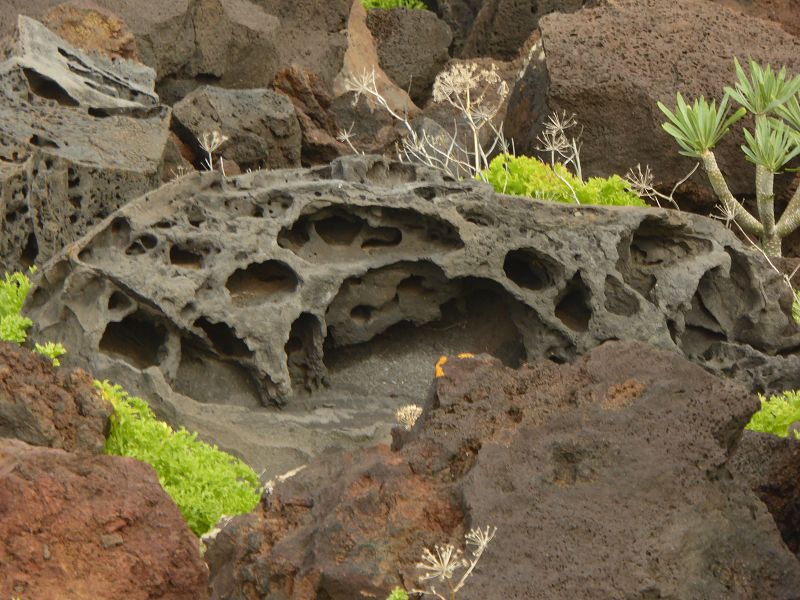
<point>619,300</point>
<point>572,307</point>
<point>382,237</point>
<point>223,338</point>
<point>119,301</point>
<point>42,142</point>
<point>531,270</point>
<point>45,87</point>
<point>361,313</point>
<point>261,281</point>
<point>338,231</point>
<point>182,257</point>
<point>30,251</point>
<point>135,339</point>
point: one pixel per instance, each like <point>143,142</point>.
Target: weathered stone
<point>771,467</point>
<point>501,27</point>
<point>214,297</point>
<point>80,136</point>
<point>92,30</point>
<point>605,478</point>
<point>610,66</point>
<point>459,15</point>
<point>44,406</point>
<point>260,124</point>
<point>783,12</point>
<point>75,526</point>
<point>312,103</point>
<point>412,47</point>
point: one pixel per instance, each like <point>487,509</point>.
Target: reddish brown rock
<point>606,478</point>
<point>610,65</point>
<point>783,12</point>
<point>312,101</point>
<point>75,527</point>
<point>51,407</point>
<point>92,29</point>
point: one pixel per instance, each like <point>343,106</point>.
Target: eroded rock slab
<point>75,526</point>
<point>605,478</point>
<point>339,287</point>
<point>80,136</point>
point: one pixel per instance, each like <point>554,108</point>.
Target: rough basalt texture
<point>412,46</point>
<point>92,29</point>
<point>75,526</point>
<point>783,12</point>
<point>79,136</point>
<point>260,124</point>
<point>262,288</point>
<point>611,64</point>
<point>771,467</point>
<point>606,478</point>
<point>45,406</point>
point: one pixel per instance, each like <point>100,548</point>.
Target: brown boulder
<point>312,102</point>
<point>606,478</point>
<point>75,527</point>
<point>610,65</point>
<point>45,406</point>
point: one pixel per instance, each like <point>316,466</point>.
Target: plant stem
<point>732,206</point>
<point>790,218</point>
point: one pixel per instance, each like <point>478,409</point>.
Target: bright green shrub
<point>204,482</point>
<point>13,291</point>
<point>777,414</point>
<point>397,594</point>
<point>393,4</point>
<point>526,176</point>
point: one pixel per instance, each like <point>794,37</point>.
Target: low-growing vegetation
<point>393,4</point>
<point>204,482</point>
<point>527,176</point>
<point>777,414</point>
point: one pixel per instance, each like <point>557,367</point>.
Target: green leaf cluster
<point>700,126</point>
<point>777,414</point>
<point>398,594</point>
<point>51,350</point>
<point>527,176</point>
<point>203,481</point>
<point>394,4</point>
<point>13,291</point>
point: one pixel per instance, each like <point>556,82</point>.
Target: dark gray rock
<point>261,125</point>
<point>412,47</point>
<point>770,466</point>
<point>79,136</point>
<point>606,478</point>
<point>501,27</point>
<point>240,293</point>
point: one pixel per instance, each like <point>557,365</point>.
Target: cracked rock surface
<point>332,292</point>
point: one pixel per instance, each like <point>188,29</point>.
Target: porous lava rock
<point>501,27</point>
<point>337,288</point>
<point>783,12</point>
<point>611,64</point>
<point>608,477</point>
<point>45,406</point>
<point>92,29</point>
<point>771,467</point>
<point>412,46</point>
<point>260,124</point>
<point>77,526</point>
<point>81,135</point>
